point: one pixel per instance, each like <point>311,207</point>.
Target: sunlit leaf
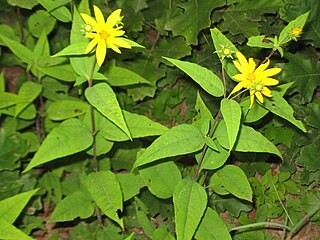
<point>8,231</point>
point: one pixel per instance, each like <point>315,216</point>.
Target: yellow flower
<point>104,34</point>
<point>296,32</point>
<point>254,79</point>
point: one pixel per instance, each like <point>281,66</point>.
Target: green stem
<point>224,79</point>
<point>259,224</point>
<point>302,222</point>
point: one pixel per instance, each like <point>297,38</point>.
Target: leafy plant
<point>117,133</point>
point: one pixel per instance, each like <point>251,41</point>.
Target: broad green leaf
<point>130,184</point>
<point>299,22</point>
<point>249,140</point>
<point>212,227</point>
<point>210,82</point>
<point>55,71</point>
<point>244,16</point>
<point>313,114</point>
<point>221,42</point>
<point>42,48</point>
<point>179,140</point>
<point>197,14</point>
<point>253,114</point>
<point>8,231</point>
<point>76,204</point>
<point>56,9</point>
<point>78,48</point>
<point>162,233</point>
<point>8,99</point>
<point>279,106</point>
<point>105,190</point>
<point>102,146</point>
<point>161,178</point>
<point>41,21</point>
<point>144,221</point>
<point>231,112</point>
<point>29,113</point>
<point>305,74</point>
<point>64,109</point>
<point>233,180</point>
<point>202,110</point>
<point>118,76</point>
<point>214,159</point>
<point>29,91</point>
<point>10,208</point>
<point>70,137</point>
<point>22,52</point>
<point>102,97</point>
<point>308,156</point>
<point>27,4</point>
<point>190,202</point>
<point>260,41</point>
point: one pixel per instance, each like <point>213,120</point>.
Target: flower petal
<point>251,98</point>
<point>259,96</point>
<point>91,45</point>
<point>110,43</point>
<point>237,88</point>
<point>269,81</point>
<point>270,72</point>
<point>251,66</point>
<point>99,17</point>
<point>89,20</point>
<point>240,77</point>
<point>243,61</point>
<point>114,18</point>
<point>121,43</point>
<point>265,91</point>
<point>101,52</point>
<point>238,66</point>
<point>262,67</point>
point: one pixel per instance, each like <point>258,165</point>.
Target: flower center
<point>257,86</point>
<point>226,51</point>
<point>251,77</point>
<point>104,35</point>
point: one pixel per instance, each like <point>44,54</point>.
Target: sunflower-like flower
<point>296,32</point>
<point>104,34</point>
<point>254,79</point>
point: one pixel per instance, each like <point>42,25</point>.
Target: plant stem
<point>302,222</point>
<point>224,79</point>
<point>22,36</point>
<point>269,56</point>
<point>93,125</point>
<point>259,224</point>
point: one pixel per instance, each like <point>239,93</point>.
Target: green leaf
<point>69,208</point>
<point>249,140</point>
<point>210,82</point>
<point>190,202</point>
<point>233,180</point>
<point>64,109</point>
<point>305,74</point>
<point>27,4</point>
<point>29,91</point>
<point>8,99</point>
<point>279,106</point>
<point>206,231</point>
<point>56,9</point>
<point>299,22</point>
<point>221,42</point>
<point>105,190</point>
<point>243,17</point>
<point>41,21</point>
<point>260,41</point>
<point>8,231</point>
<point>313,114</point>
<point>10,208</point>
<point>197,14</point>
<point>253,114</point>
<point>161,178</point>
<point>162,233</point>
<point>70,137</point>
<point>78,48</point>
<point>308,156</point>
<point>231,112</point>
<point>22,52</point>
<point>179,140</point>
<point>102,97</point>
<point>215,159</point>
<point>118,76</point>
<point>130,184</point>
<point>55,71</point>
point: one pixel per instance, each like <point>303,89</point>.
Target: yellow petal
<point>269,81</point>
<point>238,66</point>
<point>89,20</point>
<point>240,77</point>
<point>270,72</point>
<point>262,67</point>
<point>243,61</point>
<point>259,96</point>
<point>237,88</point>
<point>101,52</point>
<point>121,43</point>
<point>110,43</point>
<point>91,45</point>
<point>265,91</point>
<point>114,18</point>
<point>99,17</point>
<point>251,98</point>
<point>251,66</point>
